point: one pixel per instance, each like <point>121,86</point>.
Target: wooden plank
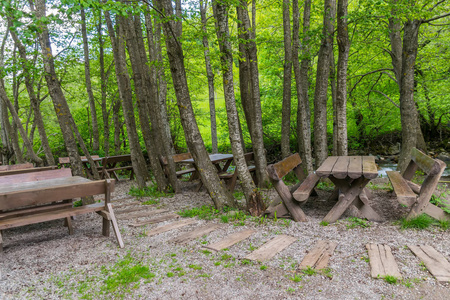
<point>433,260</point>
<point>171,226</point>
<point>325,169</point>
<point>306,188</point>
<point>196,233</point>
<point>156,220</point>
<point>362,203</point>
<point>16,167</point>
<point>402,190</point>
<point>39,175</point>
<point>35,209</point>
<point>424,162</point>
<point>115,226</point>
<point>340,169</point>
<point>144,214</point>
<point>294,209</point>
<point>355,167</point>
<point>271,248</point>
<point>382,262</point>
<point>319,256</point>
<point>280,210</point>
<point>286,165</point>
<point>369,167</point>
<point>230,240</point>
<point>133,209</point>
<point>436,212</point>
<point>29,170</point>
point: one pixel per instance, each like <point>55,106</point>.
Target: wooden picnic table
<point>350,175</point>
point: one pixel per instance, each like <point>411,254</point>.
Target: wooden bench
<point>65,161</point>
<point>415,196</point>
<point>28,170</point>
<point>109,166</point>
<point>47,195</point>
<point>177,158</point>
<point>288,206</point>
<point>16,167</point>
<point>231,178</point>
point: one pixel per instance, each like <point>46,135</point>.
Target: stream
<point>384,167</point>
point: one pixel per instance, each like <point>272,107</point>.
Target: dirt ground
<point>42,261</point>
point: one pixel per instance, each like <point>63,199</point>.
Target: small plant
<point>195,267</point>
<point>324,223</point>
<point>263,267</point>
<point>290,290</point>
<point>217,263</point>
<point>205,212</point>
<point>357,222</point>
<point>325,186</point>
<point>365,258</point>
<point>251,247</point>
<point>77,203</point>
<point>226,257</point>
<point>150,202</point>
<point>420,222</point>
<point>170,274</point>
<point>238,195</point>
<point>206,252</point>
<point>390,279</point>
<point>246,262</point>
<point>296,278</point>
<point>275,217</point>
<point>422,266</point>
<point>444,224</point>
<point>287,222</point>
<point>149,191</point>
<point>309,271</point>
<point>224,218</point>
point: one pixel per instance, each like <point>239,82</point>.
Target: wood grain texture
<point>114,224</point>
<point>306,188</point>
<point>39,174</point>
<point>230,240</point>
<point>433,260</point>
<point>382,262</point>
<point>29,170</point>
<point>271,248</point>
<point>369,167</point>
<point>156,220</point>
<point>319,256</point>
<point>286,165</point>
<point>340,169</point>
<point>171,226</point>
<point>405,195</point>
<point>355,167</point>
<point>196,233</point>
<point>143,214</point>
<point>325,169</point>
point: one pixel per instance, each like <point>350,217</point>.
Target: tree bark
<point>219,193</point>
<point>302,82</point>
<point>287,71</point>
<point>252,194</point>
<point>253,102</point>
<point>117,126</point>
<point>87,78</point>
<point>123,80</point>
<point>341,95</point>
<point>320,93</point>
<point>210,76</point>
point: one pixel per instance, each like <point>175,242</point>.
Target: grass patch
<point>324,223</point>
<point>149,191</point>
<point>296,278</point>
<point>357,222</point>
<point>309,271</point>
<point>325,186</point>
<point>420,222</point>
<point>391,279</point>
<point>205,212</point>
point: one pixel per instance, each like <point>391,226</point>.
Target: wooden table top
<point>42,184</point>
<point>348,166</point>
<point>215,158</point>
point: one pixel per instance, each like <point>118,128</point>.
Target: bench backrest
<point>30,170</point>
<point>35,176</point>
<point>115,159</point>
<point>66,160</point>
<point>420,160</point>
<point>176,158</point>
<point>282,168</point>
<point>16,167</point>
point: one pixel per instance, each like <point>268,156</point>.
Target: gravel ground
<point>42,261</point>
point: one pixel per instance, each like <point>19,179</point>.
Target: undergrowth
<point>422,222</point>
<point>149,191</point>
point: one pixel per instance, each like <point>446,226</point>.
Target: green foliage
<point>204,212</point>
<point>296,278</point>
<point>324,223</point>
<point>391,279</point>
<point>77,203</point>
<point>420,222</point>
<point>357,222</point>
<point>149,191</point>
<point>309,271</point>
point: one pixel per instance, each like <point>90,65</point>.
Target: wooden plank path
<point>382,262</point>
<point>171,226</point>
<point>271,248</point>
<point>230,240</point>
<point>196,233</point>
<point>319,256</point>
<point>155,220</point>
<point>143,214</point>
<point>133,209</point>
<point>434,261</point>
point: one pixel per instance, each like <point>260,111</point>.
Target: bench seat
<point>306,188</point>
<point>405,194</point>
<point>186,171</point>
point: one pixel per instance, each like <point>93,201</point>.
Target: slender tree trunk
<point>219,193</point>
<point>253,113</point>
<point>87,77</point>
<point>322,75</point>
<point>302,82</point>
<point>333,100</point>
<point>255,204</point>
<point>117,126</point>
<point>341,95</point>
<point>103,86</point>
<point>123,80</point>
<point>287,68</point>
<point>210,75</point>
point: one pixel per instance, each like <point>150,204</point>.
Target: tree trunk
<point>210,75</point>
<point>320,93</point>
<point>341,95</point>
<point>287,71</point>
<point>87,77</point>
<point>253,111</point>
<point>117,126</point>
<point>302,82</point>
<point>219,193</point>
<point>408,111</point>
<point>123,80</point>
<point>333,100</point>
<point>252,194</point>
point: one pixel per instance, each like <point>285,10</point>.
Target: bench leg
<point>362,203</point>
<point>115,225</point>
<point>1,242</point>
<point>106,228</point>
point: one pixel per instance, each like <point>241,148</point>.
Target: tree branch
<point>436,18</point>
<point>386,96</point>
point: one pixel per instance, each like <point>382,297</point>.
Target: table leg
<point>227,165</point>
<point>362,203</point>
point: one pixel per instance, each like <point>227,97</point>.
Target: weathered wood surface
<point>283,167</point>
<point>355,168</point>
<point>294,209</point>
<point>362,203</point>
<point>133,209</point>
<point>306,188</point>
<point>382,262</point>
<point>109,166</point>
<point>114,224</point>
<point>280,211</point>
<point>156,220</point>
<point>215,158</point>
<point>66,160</point>
<point>424,162</point>
<point>230,240</point>
<point>143,214</point>
<point>369,167</point>
<point>196,233</point>
<point>340,169</point>
<point>16,167</point>
<point>29,170</point>
<point>35,209</point>
<point>20,179</point>
<point>405,195</point>
<point>171,226</point>
<point>433,260</point>
<point>325,169</point>
<point>271,248</point>
<point>319,256</point>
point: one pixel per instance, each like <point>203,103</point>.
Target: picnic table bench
<point>231,178</point>
<point>27,170</point>
<point>177,159</point>
<point>109,166</point>
<point>47,195</point>
<point>16,167</point>
<point>416,196</point>
<point>65,161</point>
